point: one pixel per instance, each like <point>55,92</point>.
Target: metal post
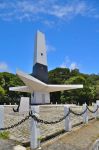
<point>35,132</point>
<point>1,116</point>
<point>68,125</point>
<point>85,115</point>
<point>96,113</point>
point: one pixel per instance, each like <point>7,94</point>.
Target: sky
<point>71,28</point>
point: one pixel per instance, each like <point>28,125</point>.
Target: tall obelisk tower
<point>40,69</point>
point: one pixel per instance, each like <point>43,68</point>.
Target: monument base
<point>38,98</point>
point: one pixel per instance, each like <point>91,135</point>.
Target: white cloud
<point>69,10</point>
<point>3,66</point>
<point>34,10</point>
<point>48,23</point>
<point>65,63</point>
<point>50,48</point>
<point>68,63</point>
<point>73,66</point>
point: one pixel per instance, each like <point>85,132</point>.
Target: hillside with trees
<point>9,80</point>
<point>89,94</point>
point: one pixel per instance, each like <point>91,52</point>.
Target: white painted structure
<point>67,125</point>
<point>43,97</point>
<point>35,131</point>
<point>24,105</point>
<point>97,102</point>
<point>96,114</point>
<point>37,83</point>
<point>33,84</point>
<point>40,55</point>
<point>96,145</point>
<point>1,116</point>
<point>40,68</point>
<point>85,115</point>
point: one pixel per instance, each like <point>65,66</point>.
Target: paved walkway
<point>79,139</point>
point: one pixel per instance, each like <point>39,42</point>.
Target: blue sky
<point>71,28</point>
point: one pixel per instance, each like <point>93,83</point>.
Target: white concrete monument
<point>37,83</point>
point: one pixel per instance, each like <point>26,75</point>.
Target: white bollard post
<point>97,102</point>
<point>1,116</point>
<point>35,132</point>
<point>96,113</point>
<point>85,115</point>
<point>24,105</point>
<point>68,125</point>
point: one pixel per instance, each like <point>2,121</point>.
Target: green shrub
<point>4,135</point>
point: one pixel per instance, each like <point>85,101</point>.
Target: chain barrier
<point>47,122</point>
<point>16,124</point>
<point>17,109</point>
<point>91,110</point>
<point>78,114</point>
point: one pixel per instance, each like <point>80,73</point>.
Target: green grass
<point>4,135</point>
<point>97,118</point>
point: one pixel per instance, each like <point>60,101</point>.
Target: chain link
<point>49,122</point>
<point>93,111</point>
<point>15,125</point>
<point>17,109</point>
<point>78,114</point>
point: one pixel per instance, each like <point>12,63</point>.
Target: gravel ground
<point>79,139</point>
<point>50,113</point>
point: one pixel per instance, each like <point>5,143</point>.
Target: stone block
<point>19,147</point>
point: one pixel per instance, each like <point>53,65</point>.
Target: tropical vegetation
<point>89,94</point>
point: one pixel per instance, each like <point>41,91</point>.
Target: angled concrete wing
<point>33,84</point>
<point>30,81</point>
<point>21,89</point>
<point>54,88</point>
